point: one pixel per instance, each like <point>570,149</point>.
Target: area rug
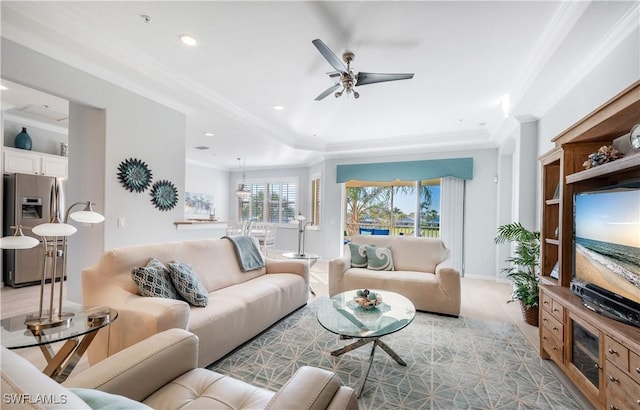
<point>452,363</point>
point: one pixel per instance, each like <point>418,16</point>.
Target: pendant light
<point>243,192</point>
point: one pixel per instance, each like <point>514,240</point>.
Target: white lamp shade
<point>89,217</point>
<point>300,217</point>
<point>54,229</point>
<point>18,242</point>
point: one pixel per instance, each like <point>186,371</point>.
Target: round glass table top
<point>343,316</point>
<point>307,255</point>
<point>14,333</point>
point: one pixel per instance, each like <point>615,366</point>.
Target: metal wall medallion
<point>164,195</point>
<point>134,175</point>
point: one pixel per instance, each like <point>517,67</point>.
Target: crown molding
<point>422,140</point>
<point>30,122</point>
<point>560,25</point>
<point>621,31</point>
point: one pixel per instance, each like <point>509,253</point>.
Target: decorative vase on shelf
<point>23,140</point>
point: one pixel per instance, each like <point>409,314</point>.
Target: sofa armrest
<point>337,268</point>
<point>298,267</point>
<point>314,388</point>
<point>139,370</point>
<point>449,278</point>
<point>138,318</point>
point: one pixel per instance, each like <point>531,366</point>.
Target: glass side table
<point>310,258</point>
<point>77,334</point>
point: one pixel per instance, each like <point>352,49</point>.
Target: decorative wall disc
<point>134,175</point>
<point>164,195</point>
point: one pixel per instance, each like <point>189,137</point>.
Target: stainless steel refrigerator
<point>29,200</point>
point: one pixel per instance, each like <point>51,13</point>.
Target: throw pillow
<point>154,280</point>
<point>97,399</point>
<point>358,255</point>
<point>379,258</point>
<point>187,284</point>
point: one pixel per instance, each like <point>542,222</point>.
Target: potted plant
<point>523,271</point>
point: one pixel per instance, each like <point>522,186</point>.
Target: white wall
<point>132,127</point>
<point>617,71</point>
<point>87,134</point>
<point>525,182</point>
<point>210,181</point>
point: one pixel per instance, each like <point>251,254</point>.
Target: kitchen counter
<point>200,224</point>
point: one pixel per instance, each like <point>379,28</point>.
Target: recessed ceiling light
<point>208,134</point>
<point>278,107</point>
<point>188,40</point>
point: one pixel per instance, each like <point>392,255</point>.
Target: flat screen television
<point>606,257</point>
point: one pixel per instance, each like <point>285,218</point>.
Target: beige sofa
<point>422,273</point>
<point>240,305</point>
<point>161,372</point>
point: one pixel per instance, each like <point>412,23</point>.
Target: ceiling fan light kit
<point>348,79</point>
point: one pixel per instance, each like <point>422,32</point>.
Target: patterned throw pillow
<point>154,280</point>
<point>358,255</point>
<point>379,258</point>
<point>188,285</point>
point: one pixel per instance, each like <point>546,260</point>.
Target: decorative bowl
<point>367,300</point>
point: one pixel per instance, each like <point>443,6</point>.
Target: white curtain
<point>452,218</point>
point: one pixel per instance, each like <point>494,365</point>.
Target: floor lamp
<point>54,229</point>
<point>302,226</point>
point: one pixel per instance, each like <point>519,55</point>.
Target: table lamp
<point>53,229</point>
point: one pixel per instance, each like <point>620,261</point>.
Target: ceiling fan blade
<point>330,56</point>
<point>327,92</point>
<point>371,78</point>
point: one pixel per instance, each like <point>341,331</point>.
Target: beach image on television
<point>607,241</point>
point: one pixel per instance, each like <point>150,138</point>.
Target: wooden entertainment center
<point>600,355</point>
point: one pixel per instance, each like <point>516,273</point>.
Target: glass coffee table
<point>343,316</point>
<point>78,334</point>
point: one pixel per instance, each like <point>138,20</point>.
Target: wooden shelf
<point>605,170</point>
<point>562,176</point>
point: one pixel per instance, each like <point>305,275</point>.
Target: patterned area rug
<point>452,363</point>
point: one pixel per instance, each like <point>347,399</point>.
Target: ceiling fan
<point>345,77</point>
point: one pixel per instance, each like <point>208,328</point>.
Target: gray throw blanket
<point>249,256</point>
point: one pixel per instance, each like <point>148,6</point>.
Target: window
<point>271,201</point>
<point>391,207</point>
<point>315,201</point>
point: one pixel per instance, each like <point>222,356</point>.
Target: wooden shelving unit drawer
<point>616,353</point>
<point>547,302</point>
<point>634,366</point>
<point>552,324</point>
<point>622,391</point>
<point>557,310</point>
<point>552,345</point>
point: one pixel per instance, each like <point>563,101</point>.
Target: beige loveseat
<point>422,273</point>
<point>161,372</point>
<point>240,304</point>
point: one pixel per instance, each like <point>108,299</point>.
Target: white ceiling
<point>253,55</point>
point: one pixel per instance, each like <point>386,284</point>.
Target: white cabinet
<point>35,163</point>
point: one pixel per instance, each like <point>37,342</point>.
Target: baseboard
<point>485,277</point>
